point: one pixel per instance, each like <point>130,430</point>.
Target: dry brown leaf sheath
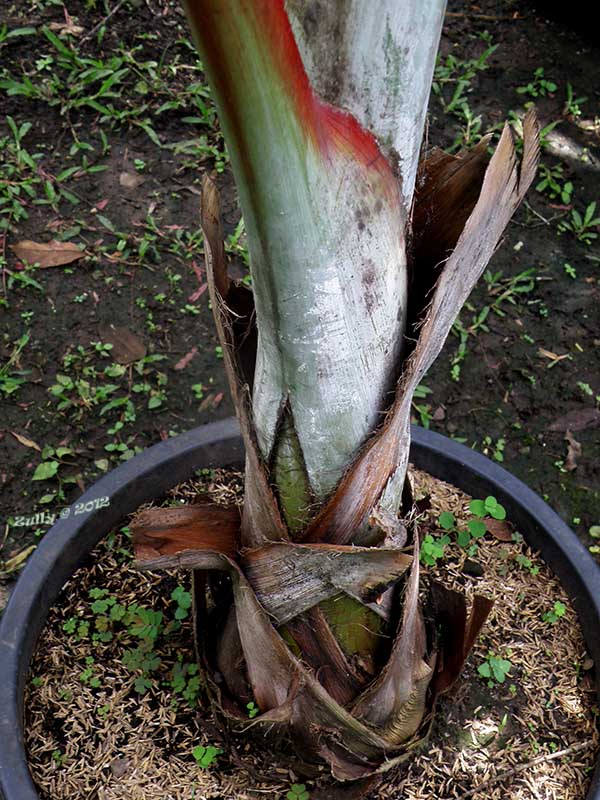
<point>271,633</point>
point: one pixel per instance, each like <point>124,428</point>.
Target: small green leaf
<point>181,597</point>
<point>477,508</point>
<point>297,792</point>
<point>485,670</point>
<point>500,668</point>
<point>47,498</point>
<point>205,756</point>
<point>447,520</point>
<point>476,527</point>
<point>141,685</point>
<point>559,609</point>
<point>45,471</point>
<point>463,538</point>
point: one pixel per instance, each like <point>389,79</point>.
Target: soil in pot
<point>115,707</point>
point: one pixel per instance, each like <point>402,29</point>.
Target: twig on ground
<point>489,17</point>
<point>102,22</point>
<point>509,773</point>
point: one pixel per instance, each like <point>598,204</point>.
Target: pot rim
<point>168,463</point>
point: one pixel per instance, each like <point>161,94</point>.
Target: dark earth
<point>106,130</point>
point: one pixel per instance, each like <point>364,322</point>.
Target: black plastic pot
<point>152,473</point>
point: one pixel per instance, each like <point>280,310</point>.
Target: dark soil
<point>534,358</point>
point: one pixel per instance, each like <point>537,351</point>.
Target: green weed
<point>538,86</point>
<point>205,756</point>
<point>494,669</point>
<point>581,226</point>
<point>298,791</point>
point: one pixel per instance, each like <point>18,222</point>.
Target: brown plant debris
<point>50,254</point>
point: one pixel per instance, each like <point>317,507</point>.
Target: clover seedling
<point>252,709</point>
<point>488,507</point>
<point>297,791</point>
<point>433,548</point>
<point>558,610</point>
<point>476,527</point>
<point>494,669</point>
<point>205,756</point>
<point>183,600</point>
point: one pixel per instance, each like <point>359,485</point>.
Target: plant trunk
<point>325,189</point>
<point>319,622</point>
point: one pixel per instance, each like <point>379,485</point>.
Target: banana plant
<point>308,601</point>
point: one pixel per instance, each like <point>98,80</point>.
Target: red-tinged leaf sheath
<point>325,228</point>
<point>222,25</point>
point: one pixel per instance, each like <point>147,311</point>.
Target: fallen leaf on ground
<point>554,357</point>
<point>500,529</point>
<point>52,254</point>
<point>198,293</point>
<point>193,189</point>
<point>120,767</point>
<point>17,561</point>
<point>208,401</point>
<point>198,272</point>
<point>127,347</point>
<point>573,451</point>
<point>66,28</point>
<point>130,180</point>
<point>183,362</point>
<point>26,442</point>
<point>577,420</point>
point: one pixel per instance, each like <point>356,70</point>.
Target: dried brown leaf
<point>211,226</point>
<point>52,254</point>
<point>457,633</point>
<point>261,519</point>
<point>579,419</point>
<point>395,702</point>
<point>322,652</point>
<point>183,362</point>
<point>291,578</point>
<point>127,347</point>
<point>66,28</point>
<point>573,451</point>
<point>25,441</point>
<point>131,180</point>
<point>500,529</point>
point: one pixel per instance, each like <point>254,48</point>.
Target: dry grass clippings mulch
<point>103,724</point>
